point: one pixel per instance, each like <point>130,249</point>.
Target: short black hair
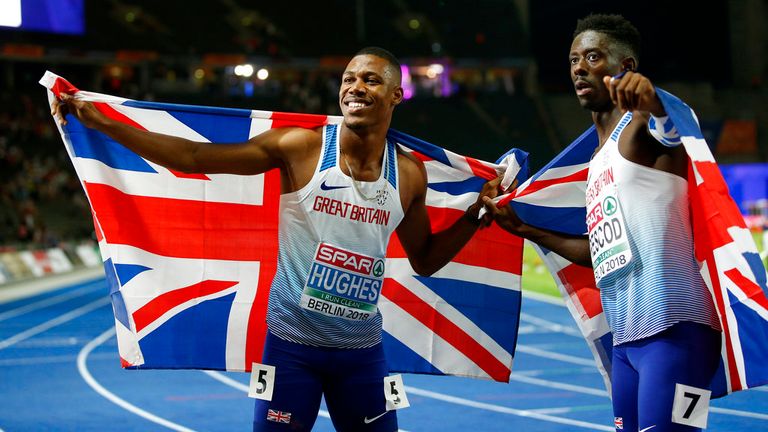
<point>380,52</point>
<point>386,55</point>
<point>618,28</point>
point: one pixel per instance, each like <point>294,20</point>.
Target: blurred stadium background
<point>482,76</point>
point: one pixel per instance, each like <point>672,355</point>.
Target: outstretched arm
<point>571,247</point>
<point>260,154</point>
<point>427,251</point>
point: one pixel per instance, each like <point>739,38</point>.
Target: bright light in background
<point>10,13</point>
<point>262,74</point>
<point>434,70</point>
<point>244,70</point>
<point>405,71</point>
<point>414,24</point>
<point>199,73</point>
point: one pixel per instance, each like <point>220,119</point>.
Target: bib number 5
<point>262,382</point>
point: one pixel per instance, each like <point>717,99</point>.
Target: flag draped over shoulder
<point>190,257</point>
<point>729,261</point>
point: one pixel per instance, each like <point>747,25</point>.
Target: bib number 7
<point>690,406</point>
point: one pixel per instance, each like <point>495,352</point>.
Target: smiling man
<point>345,190</point>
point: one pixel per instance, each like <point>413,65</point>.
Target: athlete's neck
<point>362,148</point>
<point>606,121</point>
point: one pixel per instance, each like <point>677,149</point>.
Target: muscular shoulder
<point>289,142</point>
<point>411,169</point>
<point>291,138</point>
<point>413,178</point>
<point>639,146</point>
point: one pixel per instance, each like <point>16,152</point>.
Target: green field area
<point>536,277</point>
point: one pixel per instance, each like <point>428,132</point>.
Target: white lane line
<point>590,362</point>
<point>550,325</point>
<point>82,367</point>
<point>29,361</point>
<point>554,355</point>
<point>545,298</point>
<point>739,413</point>
<point>12,313</point>
<point>521,377</point>
<point>557,385</point>
<point>218,376</point>
<point>565,410</point>
<point>506,410</point>
<point>61,319</point>
<point>598,392</point>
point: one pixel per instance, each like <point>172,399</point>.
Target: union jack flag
<point>729,262</point>
<point>278,416</point>
<point>190,257</point>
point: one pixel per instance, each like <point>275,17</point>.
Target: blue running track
<point>59,371</point>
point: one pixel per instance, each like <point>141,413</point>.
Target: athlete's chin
<point>356,124</point>
<point>591,104</point>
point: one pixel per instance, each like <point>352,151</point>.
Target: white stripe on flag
<point>401,271</point>
<point>446,200</point>
<point>258,126</point>
<point>475,274</point>
<point>570,194</point>
<point>167,274</point>
<point>438,172</point>
<point>413,334</point>
<point>223,188</point>
<point>159,121</point>
<point>697,149</point>
<point>239,316</point>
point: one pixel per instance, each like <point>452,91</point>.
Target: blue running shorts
<point>645,373</point>
<point>352,381</point>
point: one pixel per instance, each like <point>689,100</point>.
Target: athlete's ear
<point>397,96</point>
<point>629,64</point>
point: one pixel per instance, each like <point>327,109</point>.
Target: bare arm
<point>571,247</point>
<point>635,92</point>
<point>260,154</point>
<point>427,251</point>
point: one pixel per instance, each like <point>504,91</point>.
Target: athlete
<point>345,189</point>
<point>665,328</point>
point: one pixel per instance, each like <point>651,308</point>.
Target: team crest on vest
<point>381,196</point>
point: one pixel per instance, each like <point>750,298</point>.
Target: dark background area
<point>505,81</point>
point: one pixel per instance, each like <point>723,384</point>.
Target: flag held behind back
<point>190,257</point>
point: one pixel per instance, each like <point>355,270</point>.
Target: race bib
<point>608,241</point>
<point>343,283</point>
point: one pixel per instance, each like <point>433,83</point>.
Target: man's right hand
<point>505,217</point>
<point>88,115</point>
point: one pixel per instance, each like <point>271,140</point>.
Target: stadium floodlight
<point>244,70</point>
